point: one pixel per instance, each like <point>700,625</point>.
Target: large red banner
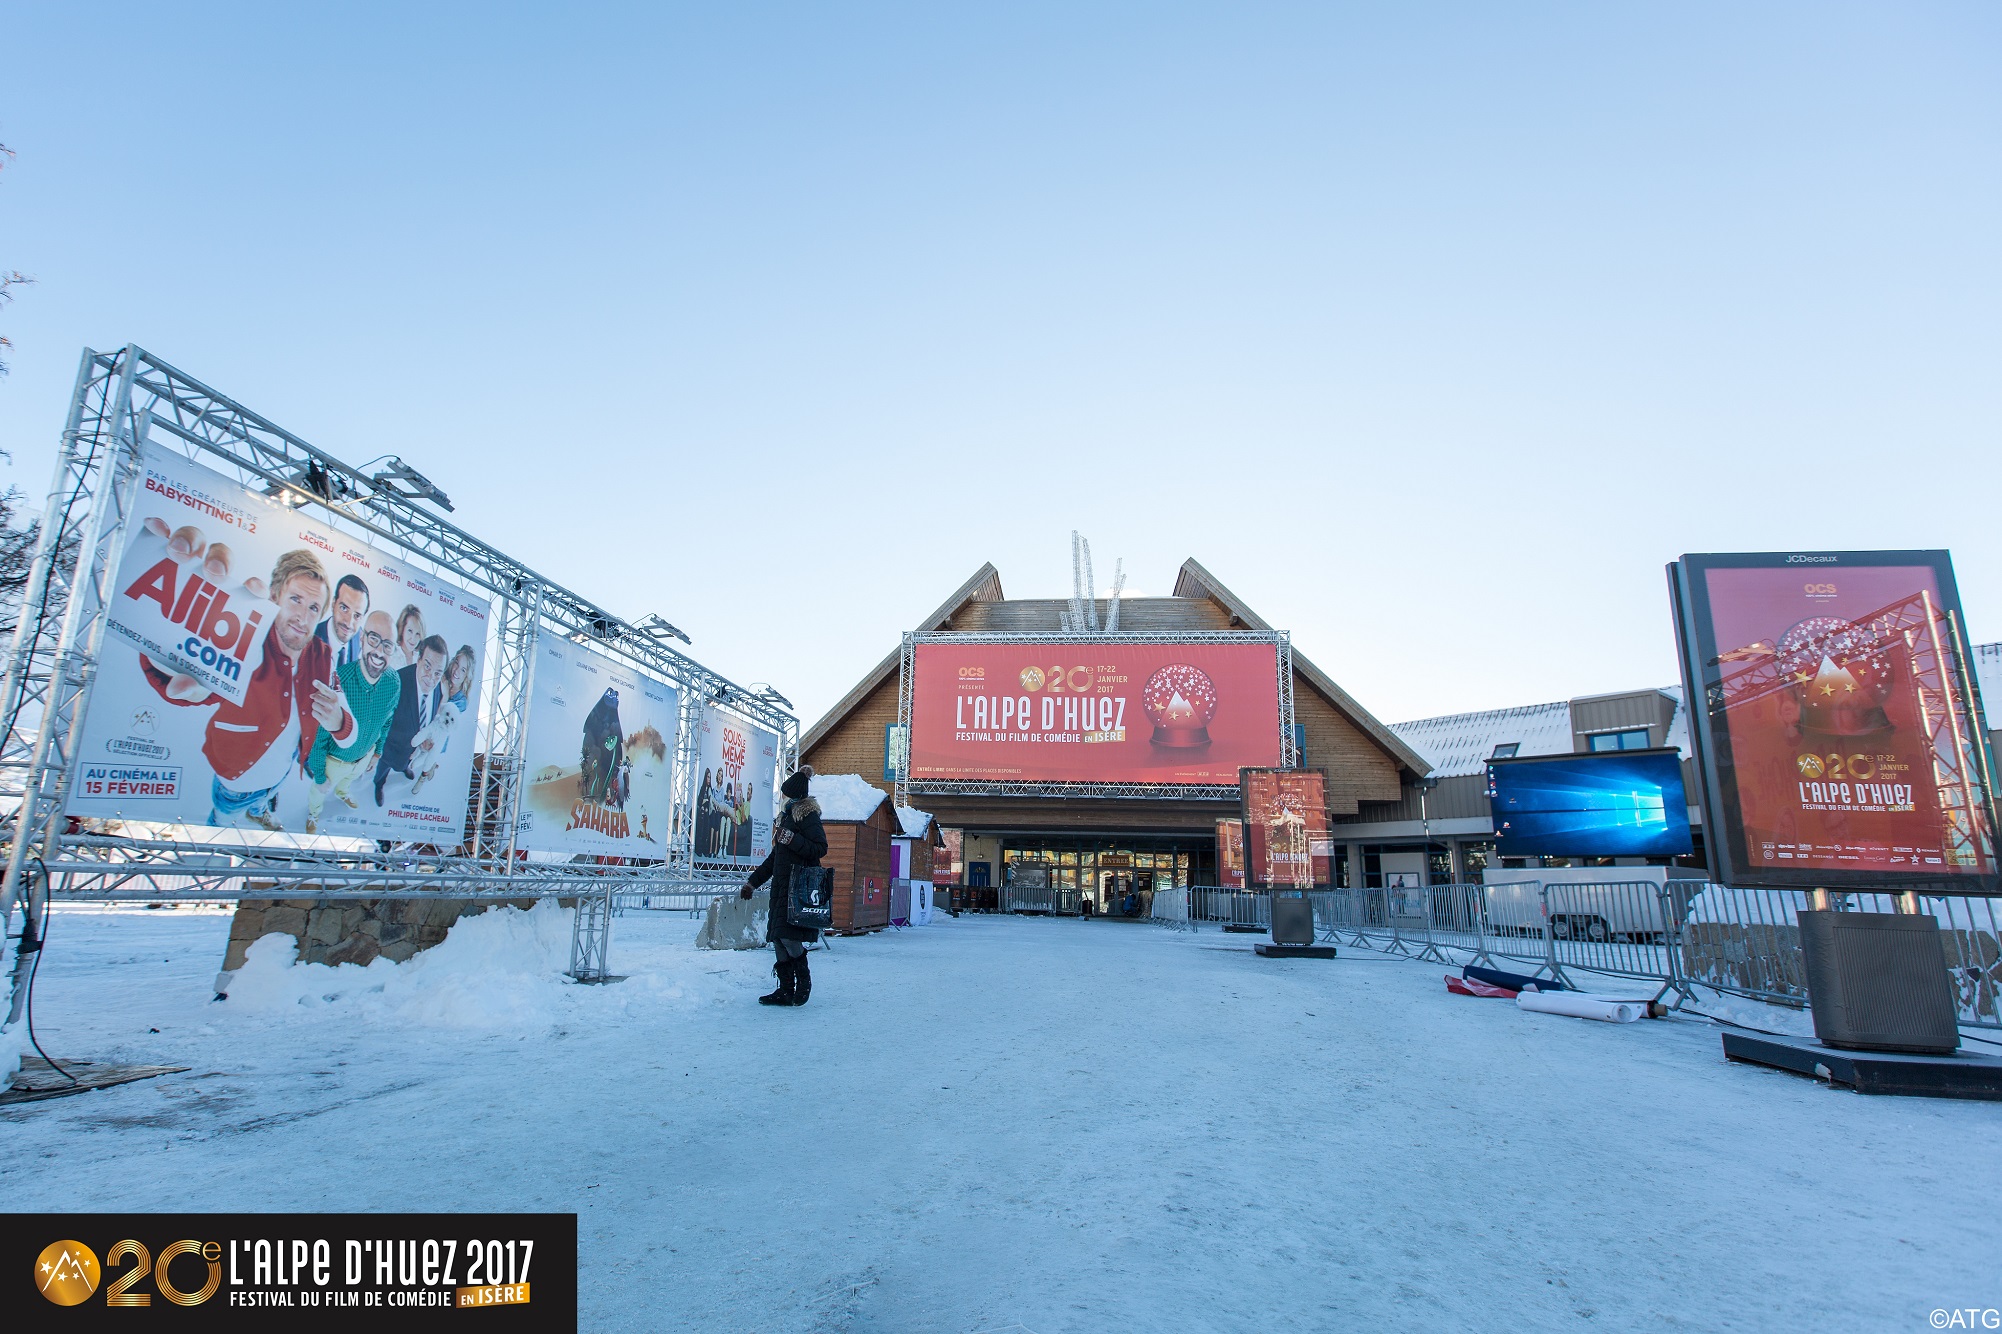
<point>1080,712</point>
<point>1839,704</point>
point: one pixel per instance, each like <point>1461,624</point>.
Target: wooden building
<point>860,822</point>
<point>1107,847</point>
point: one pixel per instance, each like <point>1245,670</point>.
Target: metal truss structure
<point>906,786</point>
<point>129,398</point>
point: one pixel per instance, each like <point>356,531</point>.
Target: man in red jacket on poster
<point>253,747</point>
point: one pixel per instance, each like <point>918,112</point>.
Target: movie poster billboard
<point>1835,729</point>
<point>600,750</point>
<point>1286,843</point>
<point>262,671</point>
<point>1079,712</point>
<point>736,772</point>
<point>1230,854</point>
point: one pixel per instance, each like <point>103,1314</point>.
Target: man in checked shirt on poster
<point>255,746</point>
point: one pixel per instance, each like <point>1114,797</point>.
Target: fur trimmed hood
<point>803,807</point>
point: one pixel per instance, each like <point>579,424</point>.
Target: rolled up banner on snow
<point>1582,1007</point>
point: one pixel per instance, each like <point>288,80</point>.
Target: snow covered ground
<point>998,1124</point>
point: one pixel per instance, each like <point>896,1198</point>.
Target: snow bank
<point>501,969</point>
<point>849,797</point>
<point>914,821</point>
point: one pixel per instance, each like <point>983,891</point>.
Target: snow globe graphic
<point>1840,675</point>
<point>1180,700</point>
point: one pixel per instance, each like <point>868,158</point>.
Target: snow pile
<point>914,821</point>
<point>501,969</point>
<point>846,797</point>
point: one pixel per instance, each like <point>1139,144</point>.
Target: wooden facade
<point>1362,759</point>
<point>859,853</point>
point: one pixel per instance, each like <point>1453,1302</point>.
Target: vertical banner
<point>265,671</point>
<point>1836,732</point>
<point>1286,843</point>
<point>735,772</point>
<point>1230,853</point>
<point>601,738</point>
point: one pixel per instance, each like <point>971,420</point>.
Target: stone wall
<point>336,931</point>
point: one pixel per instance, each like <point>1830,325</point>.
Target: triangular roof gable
<point>1196,582</point>
<point>984,586</point>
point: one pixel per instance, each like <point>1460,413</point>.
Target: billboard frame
<point>1246,824</point>
<point>122,401</point>
<point>1289,754</point>
<point>1725,851</point>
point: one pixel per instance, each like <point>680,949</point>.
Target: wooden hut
<point>911,850</point>
<point>860,822</point>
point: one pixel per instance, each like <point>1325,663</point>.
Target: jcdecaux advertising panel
<point>1839,730</point>
<point>1081,712</point>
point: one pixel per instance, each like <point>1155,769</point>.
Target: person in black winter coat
<point>797,840</point>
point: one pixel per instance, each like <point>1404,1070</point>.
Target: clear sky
<point>1432,330</point>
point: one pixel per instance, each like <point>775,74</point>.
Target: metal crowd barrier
<point>1171,908</point>
<point>1230,907</point>
<point>1621,928</point>
<point>1055,900</point>
<point>1746,942</point>
<point>1678,935</point>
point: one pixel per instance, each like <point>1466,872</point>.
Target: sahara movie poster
<point>264,671</point>
<point>736,768</point>
<point>1840,732</point>
<point>601,741</point>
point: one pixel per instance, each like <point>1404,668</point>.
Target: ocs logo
<point>1032,678</point>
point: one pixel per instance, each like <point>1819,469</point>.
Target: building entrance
<point>1114,876</point>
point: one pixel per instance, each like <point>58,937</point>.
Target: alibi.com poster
<point>1839,736</point>
<point>264,671</point>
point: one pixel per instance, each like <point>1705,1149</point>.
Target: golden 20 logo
<point>67,1273</point>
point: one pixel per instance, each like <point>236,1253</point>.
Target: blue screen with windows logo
<point>1610,804</point>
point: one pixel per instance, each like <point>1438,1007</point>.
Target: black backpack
<point>810,899</point>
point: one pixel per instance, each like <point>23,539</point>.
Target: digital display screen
<point>1613,804</point>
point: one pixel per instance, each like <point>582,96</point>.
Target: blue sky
<point>1432,330</point>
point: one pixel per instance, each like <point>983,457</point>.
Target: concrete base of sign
<point>734,923</point>
<point>1961,1075</point>
<point>1244,928</point>
<point>1268,950</point>
<point>358,931</point>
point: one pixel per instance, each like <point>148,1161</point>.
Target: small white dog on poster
<point>425,762</point>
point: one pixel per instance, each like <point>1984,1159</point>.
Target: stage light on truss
<point>766,692</point>
<point>399,478</point>
<point>653,624</point>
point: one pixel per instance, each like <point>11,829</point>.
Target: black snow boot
<point>784,993</point>
<point>802,981</point>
